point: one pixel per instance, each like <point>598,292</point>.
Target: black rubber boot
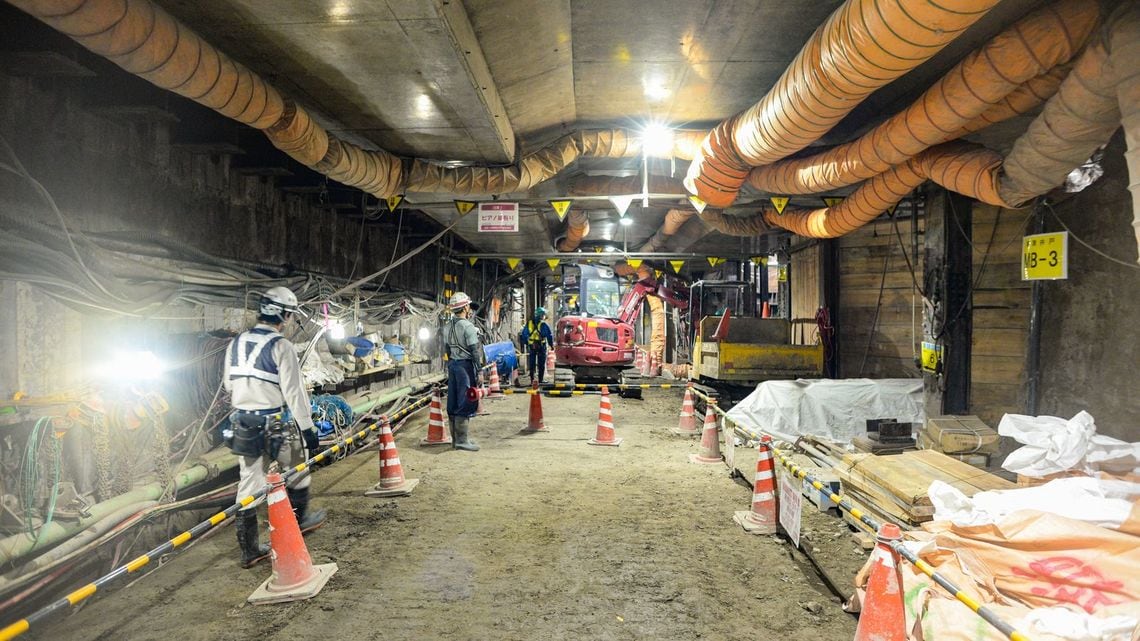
<point>459,436</point>
<point>249,539</point>
<point>307,521</point>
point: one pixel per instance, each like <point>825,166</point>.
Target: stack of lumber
<point>894,487</point>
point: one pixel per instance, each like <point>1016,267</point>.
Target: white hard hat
<point>278,300</point>
<point>459,300</point>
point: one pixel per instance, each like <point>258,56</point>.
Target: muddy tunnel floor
<point>537,536</point>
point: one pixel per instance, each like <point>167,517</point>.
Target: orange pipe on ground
<point>863,45</point>
<point>1025,51</point>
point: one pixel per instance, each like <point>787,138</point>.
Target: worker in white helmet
<point>272,418</point>
<point>461,340</point>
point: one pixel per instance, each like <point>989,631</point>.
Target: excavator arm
<point>631,303</point>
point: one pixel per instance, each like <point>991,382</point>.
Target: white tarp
<point>1104,503</point>
<point>832,409</point>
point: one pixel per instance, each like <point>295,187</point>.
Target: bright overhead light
<point>657,140</point>
<point>423,334</point>
<point>626,221</point>
<point>336,331</point>
<point>655,89</point>
<point>132,366</point>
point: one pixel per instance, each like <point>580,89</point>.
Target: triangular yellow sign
<point>832,201</point>
<point>561,207</point>
<point>513,263</point>
<point>779,202</point>
<point>394,201</point>
<point>658,273</point>
<point>677,265</point>
<point>892,208</point>
<point>634,262</point>
<point>759,260</point>
<point>464,206</point>
<point>472,260</point>
<point>553,262</point>
<point>597,250</point>
<point>698,204</point>
<point>714,261</point>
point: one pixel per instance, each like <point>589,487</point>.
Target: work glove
<point>312,441</point>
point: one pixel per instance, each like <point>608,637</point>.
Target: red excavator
<point>595,338</point>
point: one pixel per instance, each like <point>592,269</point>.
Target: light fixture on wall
<point>424,333</point>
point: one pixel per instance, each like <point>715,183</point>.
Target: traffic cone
<point>551,363</point>
<point>765,310</point>
<point>294,576</point>
<point>687,426</point>
<point>761,519</point>
<point>535,422</point>
<point>483,392</point>
<point>496,389</point>
<point>437,429</point>
<point>645,364</point>
<point>710,440</point>
<point>605,432</point>
<point>883,617</point>
<point>392,481</point>
<point>514,381</point>
<point>638,359</point>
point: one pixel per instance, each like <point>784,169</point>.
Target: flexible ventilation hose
<point>577,226</point>
<point>1026,51</point>
<point>860,48</point>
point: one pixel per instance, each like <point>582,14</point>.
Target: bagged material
<point>1053,445</point>
<point>834,409</point>
<point>1099,502</point>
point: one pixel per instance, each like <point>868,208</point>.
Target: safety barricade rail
<point>984,612</point>
<point>14,630</point>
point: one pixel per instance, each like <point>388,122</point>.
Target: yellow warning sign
<point>513,263</point>
<point>698,204</point>
<point>892,208</point>
<point>597,250</point>
<point>832,201</point>
<point>634,262</point>
<point>553,262</point>
<point>714,261</point>
<point>1045,256</point>
<point>464,206</point>
<point>561,207</point>
<point>677,265</point>
<point>782,273</point>
<point>472,260</point>
<point>759,261</point>
<point>931,356</point>
<point>779,202</point>
<point>658,273</point>
<point>394,201</point>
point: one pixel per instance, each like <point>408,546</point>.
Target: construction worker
<point>537,336</point>
<point>272,418</point>
<point>464,354</point>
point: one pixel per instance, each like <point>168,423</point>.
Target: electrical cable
<point>1094,250</point>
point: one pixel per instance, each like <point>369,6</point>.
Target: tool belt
<point>252,433</point>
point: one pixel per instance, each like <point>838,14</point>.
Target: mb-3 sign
<point>498,217</point>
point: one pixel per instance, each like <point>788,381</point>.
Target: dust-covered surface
<point>537,536</point>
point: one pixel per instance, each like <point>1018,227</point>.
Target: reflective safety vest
<point>251,355</point>
<point>535,332</point>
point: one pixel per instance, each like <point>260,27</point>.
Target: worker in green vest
<point>536,337</point>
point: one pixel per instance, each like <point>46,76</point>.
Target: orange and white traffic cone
<point>496,389</point>
<point>483,392</point>
<point>437,429</point>
<point>294,576</point>
<point>638,359</point>
<point>551,363</point>
<point>761,519</point>
<point>514,381</point>
<point>392,481</point>
<point>687,426</point>
<point>883,616</point>
<point>710,440</point>
<point>646,365</point>
<point>535,422</point>
<point>605,432</point>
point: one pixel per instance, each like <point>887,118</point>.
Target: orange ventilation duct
<point>862,46</point>
<point>1075,122</point>
<point>1022,53</point>
<point>674,220</point>
<point>577,226</point>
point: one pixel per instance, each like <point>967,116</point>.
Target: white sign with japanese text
<point>791,505</point>
<point>498,217</point>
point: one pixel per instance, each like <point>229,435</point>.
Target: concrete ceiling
<point>480,81</point>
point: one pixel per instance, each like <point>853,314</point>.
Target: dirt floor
<point>537,536</point>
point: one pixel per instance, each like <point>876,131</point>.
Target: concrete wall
<point>1090,342</point>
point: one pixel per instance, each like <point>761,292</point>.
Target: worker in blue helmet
<point>536,337</point>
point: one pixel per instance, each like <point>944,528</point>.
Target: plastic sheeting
<point>832,409</point>
<point>1100,502</point>
<point>1053,445</point>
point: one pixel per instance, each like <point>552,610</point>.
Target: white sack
<point>1052,445</point>
<point>1076,625</point>
<point>1092,500</point>
<point>834,409</point>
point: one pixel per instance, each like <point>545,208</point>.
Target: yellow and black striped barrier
<point>985,613</point>
<point>78,596</point>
